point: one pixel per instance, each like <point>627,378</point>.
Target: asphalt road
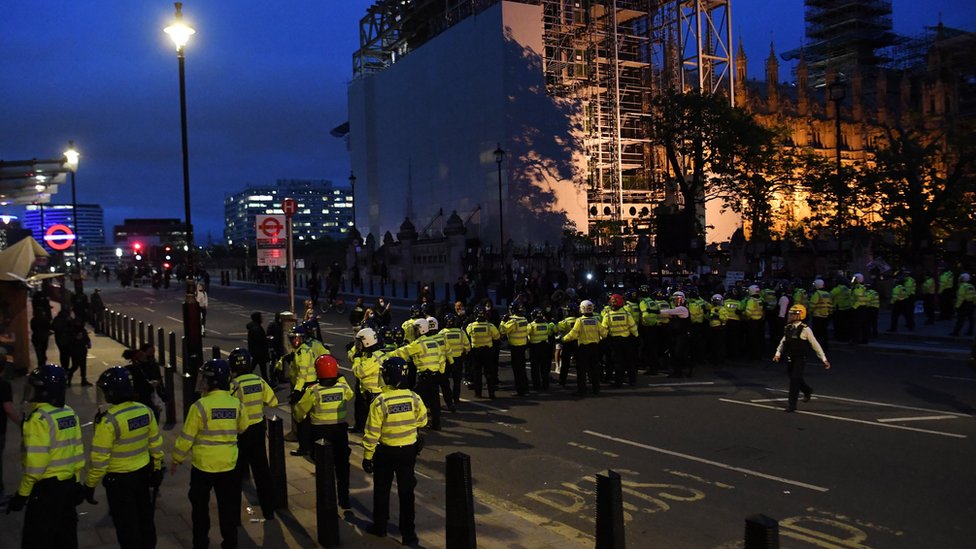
<point>881,457</point>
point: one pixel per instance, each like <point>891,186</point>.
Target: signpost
<point>289,206</point>
<point>271,240</point>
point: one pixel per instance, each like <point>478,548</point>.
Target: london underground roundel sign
<point>59,237</point>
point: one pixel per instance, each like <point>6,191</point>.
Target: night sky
<point>266,81</point>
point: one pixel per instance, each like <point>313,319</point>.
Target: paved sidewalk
<point>499,524</point>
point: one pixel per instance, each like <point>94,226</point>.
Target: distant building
<point>90,228</point>
<point>324,210</point>
<point>150,232</point>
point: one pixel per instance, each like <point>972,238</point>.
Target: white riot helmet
<point>678,297</point>
<point>422,326</point>
<point>858,278</point>
<point>753,290</point>
<point>586,307</point>
<point>717,298</point>
<point>818,284</point>
<point>367,337</point>
<point>964,277</point>
<point>432,324</point>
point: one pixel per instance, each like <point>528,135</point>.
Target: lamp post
<point>180,33</point>
<point>352,184</point>
<point>499,157</point>
<point>71,157</point>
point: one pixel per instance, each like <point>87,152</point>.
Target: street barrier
<point>170,379</point>
<point>326,506</point>
<point>150,336</point>
<point>161,347</point>
<point>111,325</point>
<point>132,332</point>
<point>762,532</point>
<point>459,501</point>
<point>125,330</point>
<point>609,511</point>
<point>142,335</point>
<point>276,462</point>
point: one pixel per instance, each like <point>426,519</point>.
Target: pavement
<point>498,524</point>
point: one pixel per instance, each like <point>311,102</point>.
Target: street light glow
<point>72,156</point>
<point>179,31</point>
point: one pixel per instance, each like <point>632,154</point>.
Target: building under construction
<point>601,62</point>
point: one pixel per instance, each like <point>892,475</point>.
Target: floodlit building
<point>324,210</point>
<point>90,225</point>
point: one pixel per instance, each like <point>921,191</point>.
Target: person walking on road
<point>203,301</point>
<point>80,343</point>
<point>390,447</point>
<point>796,337</point>
<point>63,336</point>
<point>40,326</point>
<point>255,395</point>
<point>257,344</point>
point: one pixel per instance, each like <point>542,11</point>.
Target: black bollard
<point>142,334</point>
<point>133,333</point>
<point>609,511</point>
<point>111,325</point>
<point>326,506</point>
<point>459,501</point>
<point>150,335</point>
<point>276,461</point>
<point>762,532</point>
<point>125,331</point>
<point>215,352</point>
<point>161,346</point>
<point>170,379</point>
<point>189,382</point>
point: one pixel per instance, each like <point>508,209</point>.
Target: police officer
<point>428,357</point>
<point>434,333</point>
<point>127,456</point>
<point>622,331</point>
<point>390,447</point>
<point>588,331</point>
<point>680,322</point>
<point>483,335</point>
<point>965,303</point>
<point>515,327</point>
<point>901,306</point>
<point>569,349</point>
<point>457,344</point>
<point>822,307</point>
<point>840,295</point>
<point>302,374</point>
<point>255,395</point>
<point>717,316</point>
<point>325,406</point>
<point>366,367</point>
<point>52,458</point>
<point>210,436</point>
<point>796,337</point>
<point>541,333</point>
<point>754,311</point>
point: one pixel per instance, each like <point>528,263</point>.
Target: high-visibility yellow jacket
<point>126,439</point>
<point>928,286</point>
<point>456,342</point>
<point>426,353</point>
<point>753,308</point>
<point>254,394</point>
<point>566,324</point>
<point>800,297</point>
<point>859,296</point>
<point>210,431</point>
<point>910,285</point>
<point>841,297</point>
<point>733,308</point>
<point>586,330</point>
<point>821,304</point>
<point>516,329</point>
<point>324,404</point>
<point>633,308</point>
<point>718,316</point>
<point>899,293</point>
<point>482,334</point>
<point>663,319</point>
<point>619,323</point>
<point>393,420</point>
<point>697,307</point>
<point>52,446</point>
<point>947,281</point>
<point>966,292</point>
<point>303,366</point>
<point>409,330</point>
<point>366,368</point>
<point>650,312</point>
<point>540,332</point>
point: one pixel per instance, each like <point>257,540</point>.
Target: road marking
<point>957,378</point>
<point>592,449</point>
<point>150,310</point>
<point>852,420</point>
<point>884,404</point>
<point>768,399</point>
<point>175,319</point>
<point>917,418</point>
<point>216,332</point>
<point>710,462</point>
<point>490,407</point>
<point>237,333</point>
<point>684,384</point>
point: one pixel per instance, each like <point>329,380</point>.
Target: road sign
<point>289,206</point>
<point>271,240</point>
<point>59,237</point>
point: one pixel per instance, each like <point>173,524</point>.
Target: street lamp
<point>180,33</point>
<point>352,184</point>
<point>499,157</point>
<point>71,157</point>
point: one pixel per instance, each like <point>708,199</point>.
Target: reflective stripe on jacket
<point>126,437</point>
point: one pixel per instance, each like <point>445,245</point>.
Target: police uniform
<point>621,331</point>
<point>302,374</point>
<point>52,457</point>
<point>483,335</point>
<point>754,314</point>
<point>126,451</point>
<point>457,345</point>
<point>325,407</point>
<point>255,395</point>
<point>366,368</point>
<point>516,330</point>
<point>588,331</point>
<point>569,348</point>
<point>428,356</point>
<point>210,436</point>
<point>796,337</point>
<point>390,442</point>
<point>541,335</point>
<point>821,309</point>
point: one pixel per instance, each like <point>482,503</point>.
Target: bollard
<point>762,532</point>
<point>125,330</point>
<point>609,511</point>
<point>326,507</point>
<point>132,333</point>
<point>150,335</point>
<point>111,324</point>
<point>142,334</point>
<point>161,347</point>
<point>189,382</point>
<point>215,352</point>
<point>459,501</point>
<point>276,462</point>
<point>170,380</point>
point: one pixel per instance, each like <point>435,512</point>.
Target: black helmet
<point>384,333</point>
<point>450,320</point>
<point>394,371</point>
<point>116,385</point>
<point>216,372</point>
<point>517,309</point>
<point>47,383</point>
<point>644,290</point>
<point>415,311</point>
<point>240,361</point>
<point>480,313</point>
<point>538,315</point>
<point>631,296</point>
<point>397,336</point>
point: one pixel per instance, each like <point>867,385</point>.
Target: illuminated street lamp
<point>352,184</point>
<point>499,157</point>
<point>71,157</point>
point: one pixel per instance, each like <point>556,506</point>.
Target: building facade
<point>324,210</point>
<point>89,227</point>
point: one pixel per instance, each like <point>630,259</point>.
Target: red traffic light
<point>166,265</point>
<point>137,246</point>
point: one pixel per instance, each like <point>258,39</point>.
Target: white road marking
<point>874,403</point>
<point>150,310</point>
<point>917,418</point>
<point>175,319</point>
<point>852,420</point>
<point>710,462</point>
<point>769,399</point>
<point>957,378</point>
<point>237,333</point>
<point>681,384</point>
<point>495,408</point>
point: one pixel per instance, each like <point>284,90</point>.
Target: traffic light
<point>137,250</point>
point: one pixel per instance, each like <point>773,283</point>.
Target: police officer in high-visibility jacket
<point>458,345</point>
<point>484,335</point>
<point>255,395</point>
<point>369,354</point>
<point>429,358</point>
<point>325,405</point>
<point>754,311</point>
<point>127,456</point>
<point>621,328</point>
<point>53,456</point>
<point>302,374</point>
<point>588,331</point>
<point>569,349</point>
<point>515,327</point>
<point>210,436</point>
<point>541,333</point>
<point>390,447</point>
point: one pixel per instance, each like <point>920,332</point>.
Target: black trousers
<point>928,305</point>
<point>50,521</point>
<point>819,327</point>
<point>252,452</point>
<point>427,387</point>
<point>755,339</point>
<point>904,308</point>
<point>227,486</point>
<point>540,362</point>
<point>797,384</point>
<point>964,313</point>
<point>588,365</point>
<point>338,438</point>
<point>130,505</point>
<point>647,351</point>
<point>681,353</point>
<point>716,344</point>
<point>64,353</point>
<point>518,369</point>
<point>79,361</point>
<point>444,383</point>
<point>454,376</point>
<point>946,298</point>
<point>624,364</point>
<point>484,363</point>
<point>569,352</point>
<point>361,407</point>
<point>734,337</point>
<point>40,350</point>
<point>398,461</point>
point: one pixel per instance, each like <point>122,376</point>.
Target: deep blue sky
<point>266,81</point>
